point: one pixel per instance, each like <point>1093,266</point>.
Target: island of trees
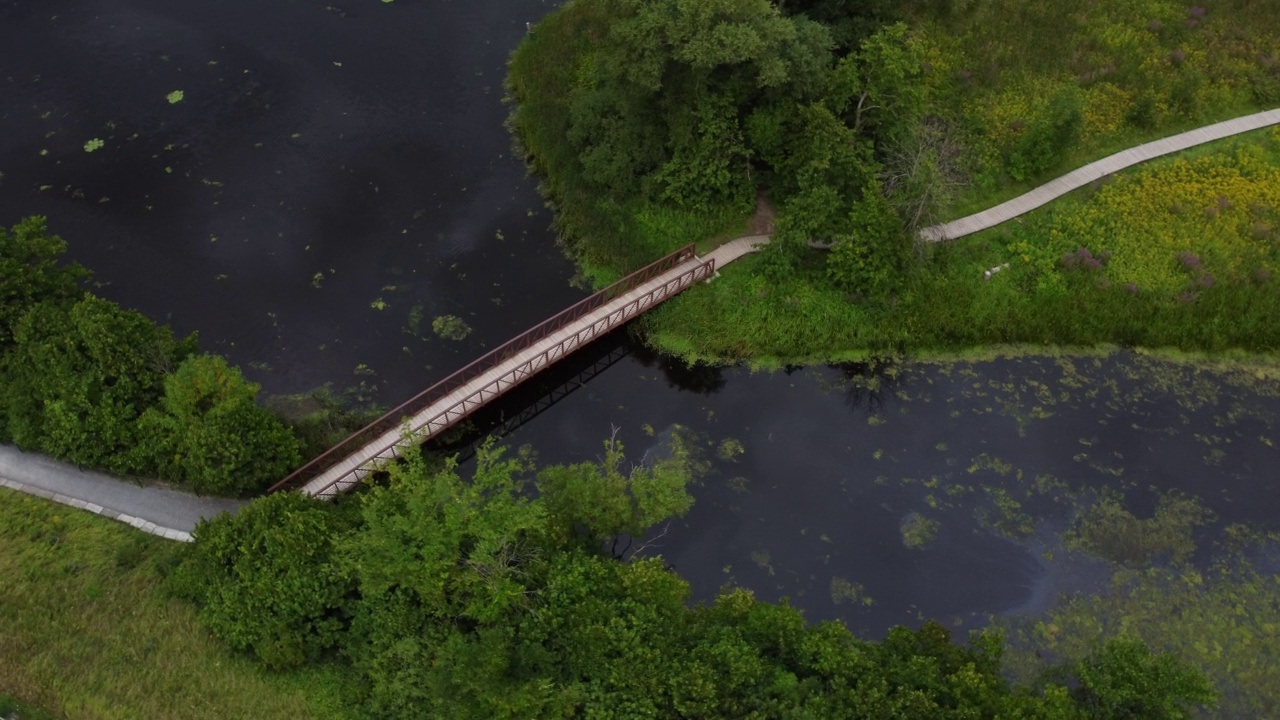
<point>852,125</point>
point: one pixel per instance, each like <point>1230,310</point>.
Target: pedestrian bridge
<point>451,400</point>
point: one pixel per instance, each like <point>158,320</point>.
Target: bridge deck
<point>447,410</point>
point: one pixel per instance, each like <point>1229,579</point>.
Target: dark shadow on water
<point>698,378</point>
<point>869,384</point>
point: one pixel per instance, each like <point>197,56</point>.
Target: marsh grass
<point>88,631</point>
<point>1144,70</point>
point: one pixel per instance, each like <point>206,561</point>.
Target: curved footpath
<point>172,514</point>
<point>1096,170</point>
<point>158,510</point>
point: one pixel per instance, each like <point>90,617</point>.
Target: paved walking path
<point>157,510</point>
<point>1074,180</point>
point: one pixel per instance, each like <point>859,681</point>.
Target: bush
<point>265,579</point>
<point>209,433</point>
<point>1049,138</point>
<point>1124,679</point>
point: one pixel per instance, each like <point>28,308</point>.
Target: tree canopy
<point>90,382</point>
<point>474,597</point>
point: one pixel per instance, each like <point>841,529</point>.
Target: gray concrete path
<point>160,511</point>
<point>1077,179</point>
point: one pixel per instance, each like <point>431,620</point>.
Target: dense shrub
<point>87,381</point>
<point>208,432</point>
<point>266,580</point>
<point>78,378</point>
<point>1049,138</point>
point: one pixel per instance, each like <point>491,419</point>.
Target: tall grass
<point>1145,70</point>
<point>87,631</point>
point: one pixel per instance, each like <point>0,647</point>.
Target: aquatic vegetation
<point>413,323</point>
<point>1225,621</point>
<point>175,97</point>
<point>1107,530</point>
<point>378,304</point>
<point>94,144</point>
<point>918,530</point>
<point>844,591</point>
<point>730,449</point>
<point>1008,518</point>
<point>450,327</point>
<point>762,560</point>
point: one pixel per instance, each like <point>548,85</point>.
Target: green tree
<point>79,378</point>
<point>878,89</point>
<point>1124,679</point>
<point>30,263</point>
<point>658,107</point>
<point>603,500</point>
<point>266,581</point>
<point>871,259</point>
<point>208,431</point>
<point>445,567</point>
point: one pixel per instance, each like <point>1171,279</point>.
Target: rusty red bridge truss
<point>440,406</point>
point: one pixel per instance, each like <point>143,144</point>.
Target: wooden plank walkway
<point>1095,170</point>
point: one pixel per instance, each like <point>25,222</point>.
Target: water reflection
<point>950,492</point>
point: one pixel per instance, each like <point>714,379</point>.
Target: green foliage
<point>209,432</point>
<point>606,501</point>
<point>30,263</point>
<point>879,87</point>
<point>706,169</point>
<point>1124,679</point>
<point>266,580</point>
<point>79,377</point>
<point>1049,138</point>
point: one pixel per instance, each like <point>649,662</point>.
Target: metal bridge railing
<point>478,367</point>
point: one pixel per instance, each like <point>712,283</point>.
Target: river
<point>336,176</point>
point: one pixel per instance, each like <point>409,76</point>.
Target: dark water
<point>363,142</point>
<point>359,140</point>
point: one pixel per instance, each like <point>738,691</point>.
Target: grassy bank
<point>88,631</point>
<point>1128,74</point>
<point>1178,254</point>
